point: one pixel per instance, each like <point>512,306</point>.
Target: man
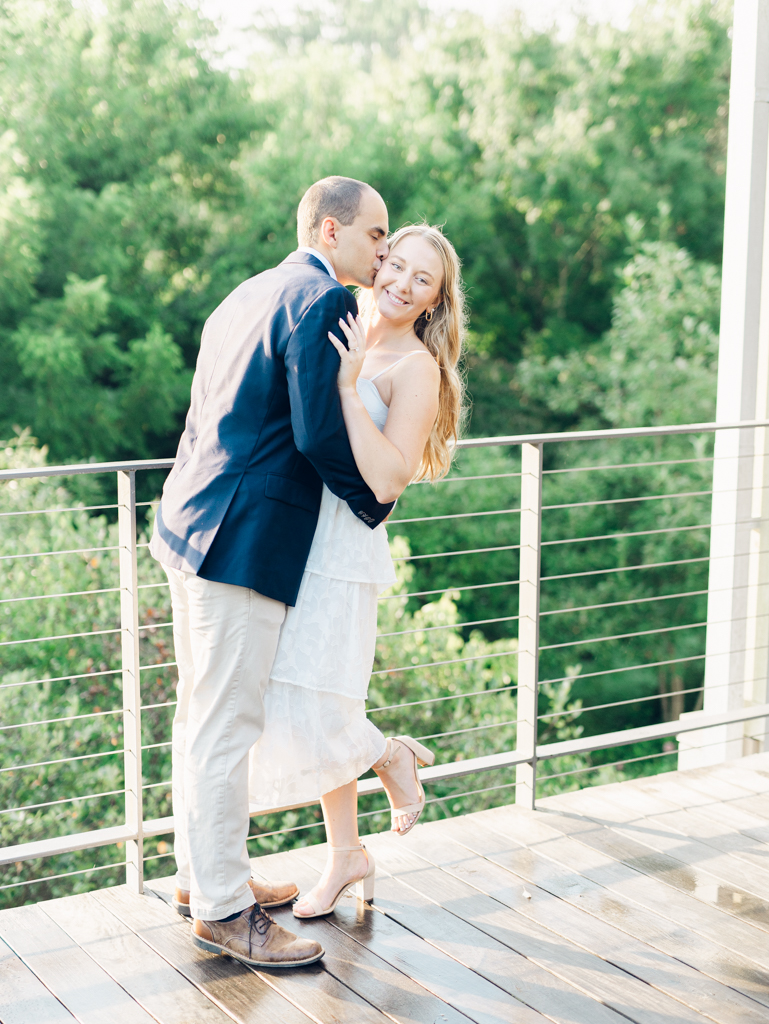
<point>233,532</point>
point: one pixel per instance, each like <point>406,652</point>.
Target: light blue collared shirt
<point>319,255</point>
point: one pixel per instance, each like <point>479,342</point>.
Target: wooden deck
<point>645,901</point>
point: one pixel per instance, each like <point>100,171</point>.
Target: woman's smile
<point>395,298</point>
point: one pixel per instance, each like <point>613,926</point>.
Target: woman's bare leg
<point>340,812</point>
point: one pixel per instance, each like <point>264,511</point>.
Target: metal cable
<point>448,554</point>
<point>511,688</point>
<point>654,664</point>
<point>474,728</point>
<point>62,760</point>
<point>65,800</point>
<point>66,874</point>
<point>284,831</point>
<point>444,590</point>
<point>619,703</point>
<point>452,661</point>
<point>61,679</point>
<point>165,704</point>
<point>624,636</point>
<point>627,668</point>
<point>154,746</point>
<point>456,515</point>
<point>624,568</point>
<point>163,664</point>
<point>630,533</point>
<point>610,764</point>
<point>464,479</point>
<point>67,718</point>
<point>45,554</point>
<point>630,601</point>
<point>74,593</point>
<point>64,636</point>
<point>627,465</point>
<point>450,625</point>
<point>154,785</point>
<point>470,792</point>
<point>662,629</point>
<point>624,501</point>
<point>48,511</point>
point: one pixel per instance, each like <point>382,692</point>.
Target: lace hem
<point>312,743</point>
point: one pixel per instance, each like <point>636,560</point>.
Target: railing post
<point>528,623</point>
<point>132,727</point>
<point>736,663</point>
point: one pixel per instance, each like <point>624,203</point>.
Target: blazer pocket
<point>282,488</point>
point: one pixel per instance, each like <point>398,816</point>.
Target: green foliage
<point>145,176</point>
<point>665,326</point>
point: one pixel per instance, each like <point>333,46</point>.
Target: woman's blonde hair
<point>443,335</point>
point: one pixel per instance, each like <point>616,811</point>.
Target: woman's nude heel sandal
<point>422,756</point>
<point>364,887</point>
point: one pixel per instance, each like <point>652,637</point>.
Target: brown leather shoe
<point>256,939</point>
<point>268,896</point>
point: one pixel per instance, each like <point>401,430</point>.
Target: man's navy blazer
<point>264,432</point>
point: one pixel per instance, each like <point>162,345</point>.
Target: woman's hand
<point>352,357</point>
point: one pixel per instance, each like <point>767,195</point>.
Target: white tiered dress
<point>316,735</point>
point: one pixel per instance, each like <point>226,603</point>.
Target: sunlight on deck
<point>645,901</point>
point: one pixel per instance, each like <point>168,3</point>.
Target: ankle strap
<point>346,849</point>
<point>390,750</point>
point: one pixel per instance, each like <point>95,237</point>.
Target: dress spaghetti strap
<point>416,352</point>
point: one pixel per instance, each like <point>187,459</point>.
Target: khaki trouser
<point>225,639</point>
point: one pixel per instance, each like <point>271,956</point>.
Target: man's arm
<point>312,366</point>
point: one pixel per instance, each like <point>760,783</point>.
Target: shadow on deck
<point>645,901</point>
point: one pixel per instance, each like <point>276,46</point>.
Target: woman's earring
<point>429,315</point>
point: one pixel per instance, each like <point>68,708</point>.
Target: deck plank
<point>746,879</point>
<point>572,962</point>
<point>645,901</point>
<point>748,775</point>
<point>24,999</point>
<point>405,948</point>
<point>248,996</point>
<point>87,991</point>
<point>646,811</point>
<point>555,836</point>
<point>698,787</point>
<point>567,870</point>
<point>558,908</point>
<point>714,884</point>
<point>481,960</point>
<point>143,973</point>
<point>377,980</point>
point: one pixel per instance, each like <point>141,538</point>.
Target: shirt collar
<point>319,256</point>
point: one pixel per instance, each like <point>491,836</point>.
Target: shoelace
<point>259,921</point>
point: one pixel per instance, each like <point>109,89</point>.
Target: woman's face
<point>409,281</point>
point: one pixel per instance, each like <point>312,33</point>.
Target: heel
<point>364,889</point>
<point>424,756</point>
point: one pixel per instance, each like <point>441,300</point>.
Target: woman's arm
<point>387,461</point>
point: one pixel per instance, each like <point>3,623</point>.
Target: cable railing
<point>516,672</point>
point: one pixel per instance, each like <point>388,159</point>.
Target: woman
<point>401,399</point>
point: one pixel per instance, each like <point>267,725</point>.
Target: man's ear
<point>329,232</point>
